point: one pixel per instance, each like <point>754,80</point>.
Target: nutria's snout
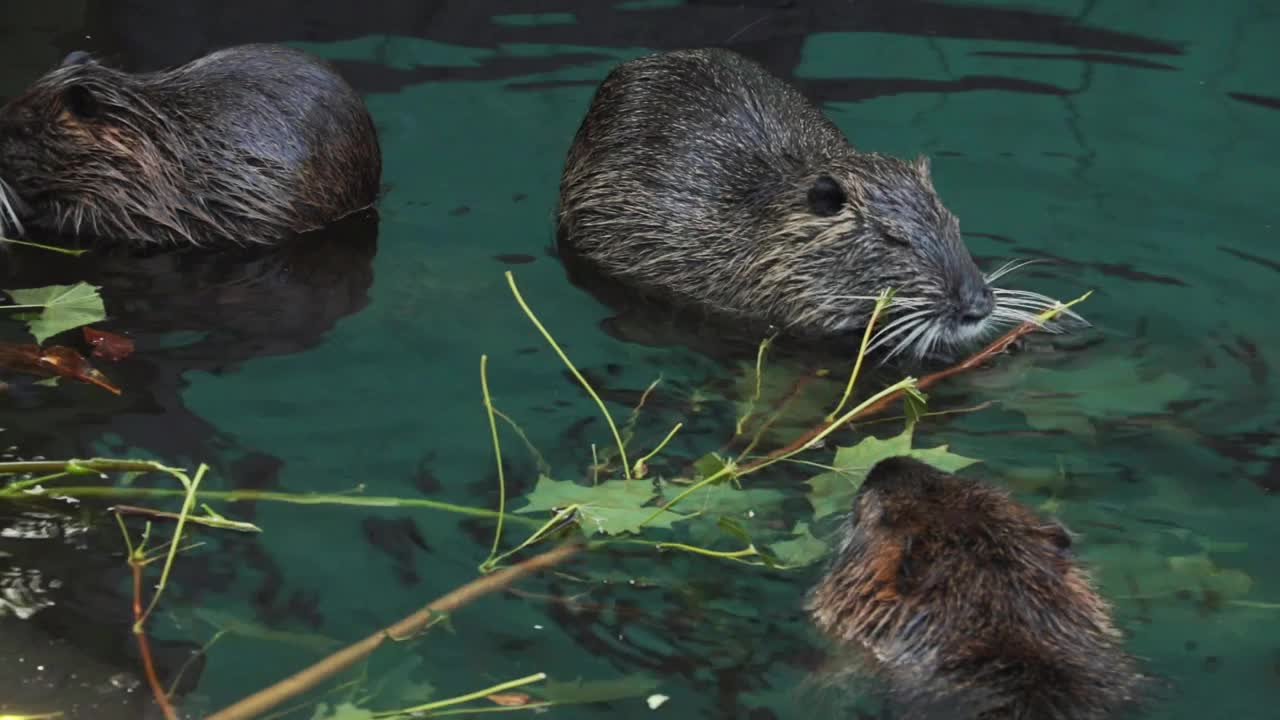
<point>976,303</point>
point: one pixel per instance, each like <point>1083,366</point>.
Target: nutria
<point>962,600</point>
<point>699,176</point>
<point>247,145</point>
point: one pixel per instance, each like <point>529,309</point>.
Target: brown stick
<point>973,361</point>
<point>144,647</point>
<point>300,682</point>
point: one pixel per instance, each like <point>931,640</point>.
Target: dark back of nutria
<point>248,145</point>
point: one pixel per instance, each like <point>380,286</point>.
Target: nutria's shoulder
<point>246,145</point>
<point>958,596</point>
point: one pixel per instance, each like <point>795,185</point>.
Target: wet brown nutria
<point>698,175</point>
<point>246,145</point>
<point>967,605</point>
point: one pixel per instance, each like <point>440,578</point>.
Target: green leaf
<point>709,465</point>
<point>345,711</point>
<point>803,549</point>
<point>64,307</point>
<point>612,507</point>
<point>577,691</point>
<point>48,382</point>
<point>832,492</point>
<point>727,499</point>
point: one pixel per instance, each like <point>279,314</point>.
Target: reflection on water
<point>1135,148</point>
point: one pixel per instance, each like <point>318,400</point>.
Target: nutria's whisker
<point>898,325</point>
<point>8,213</point>
<point>1011,267</point>
<point>1043,302</point>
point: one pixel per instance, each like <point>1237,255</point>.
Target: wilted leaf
<point>107,345</point>
<point>56,360</point>
<point>833,491</point>
<point>577,691</point>
<point>63,307</point>
<point>511,699</point>
<point>803,549</point>
<point>611,507</point>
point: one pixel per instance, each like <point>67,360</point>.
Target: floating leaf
<point>803,549</point>
<point>1074,399</point>
<point>1201,570</point>
<point>833,491</point>
<point>577,691</point>
<point>612,507</point>
<point>728,499</point>
<point>64,307</point>
<point>709,465</point>
<point>345,711</point>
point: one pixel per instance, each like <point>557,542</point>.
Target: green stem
<point>265,496</point>
<point>494,709</point>
<point>881,303</point>
<point>497,454</point>
<point>82,467</point>
<point>622,450</point>
<point>549,525</point>
<point>903,384</point>
<point>191,486</point>
<point>527,680</point>
<point>728,469</point>
<point>17,487</point>
<point>641,462</point>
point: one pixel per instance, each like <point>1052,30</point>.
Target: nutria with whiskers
<point>967,605</point>
<point>699,176</point>
<point>248,145</point>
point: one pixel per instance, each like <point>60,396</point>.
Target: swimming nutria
<point>246,145</point>
<point>963,600</point>
<point>698,175</point>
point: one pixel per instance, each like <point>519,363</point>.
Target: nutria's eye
<point>79,100</point>
<point>826,197</point>
<point>1060,538</point>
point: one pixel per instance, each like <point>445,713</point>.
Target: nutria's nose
<point>977,302</point>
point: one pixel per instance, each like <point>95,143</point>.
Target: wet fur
<point>698,175</point>
<point>965,604</point>
<point>247,145</point>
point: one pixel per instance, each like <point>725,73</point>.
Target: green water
<point>1158,443</point>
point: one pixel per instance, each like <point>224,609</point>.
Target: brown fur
<point>964,602</point>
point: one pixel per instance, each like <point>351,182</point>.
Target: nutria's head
<point>243,146</point>
<point>871,222</point>
<point>72,142</point>
<point>956,594</point>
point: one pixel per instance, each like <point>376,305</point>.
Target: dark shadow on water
<point>189,311</point>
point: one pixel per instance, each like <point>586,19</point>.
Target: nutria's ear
<point>79,101</point>
<point>826,197</point>
<point>1060,538</point>
<point>77,57</point>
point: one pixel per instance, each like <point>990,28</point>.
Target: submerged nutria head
<point>965,602</point>
<point>246,145</point>
<point>699,175</point>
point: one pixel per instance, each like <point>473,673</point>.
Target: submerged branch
<point>260,702</point>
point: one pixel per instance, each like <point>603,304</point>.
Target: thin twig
<point>144,647</point>
<point>263,700</point>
